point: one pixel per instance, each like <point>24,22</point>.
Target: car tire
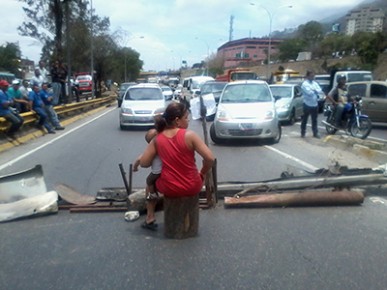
<point>213,136</point>
<point>277,138</point>
<point>292,118</point>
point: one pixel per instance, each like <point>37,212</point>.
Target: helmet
<point>341,78</point>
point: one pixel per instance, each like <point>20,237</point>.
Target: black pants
<point>313,112</point>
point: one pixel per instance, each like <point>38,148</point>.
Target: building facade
<point>366,19</point>
<point>247,51</point>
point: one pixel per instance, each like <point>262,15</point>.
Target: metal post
<point>92,50</point>
<point>271,15</point>
<point>69,90</point>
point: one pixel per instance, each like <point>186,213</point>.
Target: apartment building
<point>365,19</point>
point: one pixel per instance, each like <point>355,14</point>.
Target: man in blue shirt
<point>311,91</point>
<point>38,106</point>
<point>7,112</point>
<point>47,98</point>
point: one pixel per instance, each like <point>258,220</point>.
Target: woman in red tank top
<point>176,147</point>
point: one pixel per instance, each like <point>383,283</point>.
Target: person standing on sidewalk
<point>43,71</point>
<point>58,76</point>
<point>311,91</point>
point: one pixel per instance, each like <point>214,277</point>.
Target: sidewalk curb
<point>374,151</point>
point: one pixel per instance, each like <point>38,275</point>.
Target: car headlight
<point>269,115</point>
<point>223,115</point>
<point>283,107</point>
<point>159,111</point>
<point>127,111</point>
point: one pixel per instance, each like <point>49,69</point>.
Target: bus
<point>282,76</point>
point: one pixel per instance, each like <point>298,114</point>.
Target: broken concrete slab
<point>46,203</point>
<point>24,194</point>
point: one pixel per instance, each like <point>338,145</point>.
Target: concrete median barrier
<point>374,151</point>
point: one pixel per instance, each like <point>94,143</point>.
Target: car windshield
<point>123,87</point>
<point>212,88</point>
<point>357,77</point>
<point>282,92</point>
<point>166,89</point>
<point>144,94</point>
<point>243,76</point>
<point>84,78</point>
<point>246,93</point>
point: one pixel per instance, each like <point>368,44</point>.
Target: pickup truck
<point>84,82</point>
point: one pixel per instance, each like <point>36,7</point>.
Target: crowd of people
<point>38,95</point>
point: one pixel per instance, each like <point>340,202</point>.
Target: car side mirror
<point>276,98</point>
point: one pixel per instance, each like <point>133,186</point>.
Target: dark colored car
<point>122,90</point>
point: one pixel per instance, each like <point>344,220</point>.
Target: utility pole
<point>92,50</point>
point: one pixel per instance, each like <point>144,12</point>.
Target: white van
<point>191,85</point>
<point>353,76</point>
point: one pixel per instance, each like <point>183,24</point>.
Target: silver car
<point>246,110</point>
<point>141,104</point>
<point>289,104</point>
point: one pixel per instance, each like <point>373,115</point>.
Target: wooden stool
<point>181,217</point>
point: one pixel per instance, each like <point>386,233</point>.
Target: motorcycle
<point>354,122</point>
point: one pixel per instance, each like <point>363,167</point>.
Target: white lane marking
<point>10,163</point>
<point>378,200</point>
<point>307,165</point>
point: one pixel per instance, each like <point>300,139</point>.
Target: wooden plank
<point>97,209</point>
<point>96,205</point>
<point>72,196</point>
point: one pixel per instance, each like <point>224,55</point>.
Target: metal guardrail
<point>63,111</point>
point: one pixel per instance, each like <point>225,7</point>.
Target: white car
<point>141,103</point>
<point>167,92</point>
<point>246,110</point>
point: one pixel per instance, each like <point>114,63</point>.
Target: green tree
<point>290,48</point>
<point>68,28</point>
<point>215,64</point>
<point>311,33</point>
<point>368,47</point>
<point>10,58</point>
<point>332,43</point>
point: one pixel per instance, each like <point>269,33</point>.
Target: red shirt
<point>179,174</point>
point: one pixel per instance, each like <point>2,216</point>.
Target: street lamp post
<point>271,15</point>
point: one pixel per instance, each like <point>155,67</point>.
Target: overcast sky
<point>165,32</point>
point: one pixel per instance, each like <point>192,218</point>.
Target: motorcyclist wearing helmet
<point>339,98</point>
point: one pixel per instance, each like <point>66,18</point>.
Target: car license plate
<point>246,126</point>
